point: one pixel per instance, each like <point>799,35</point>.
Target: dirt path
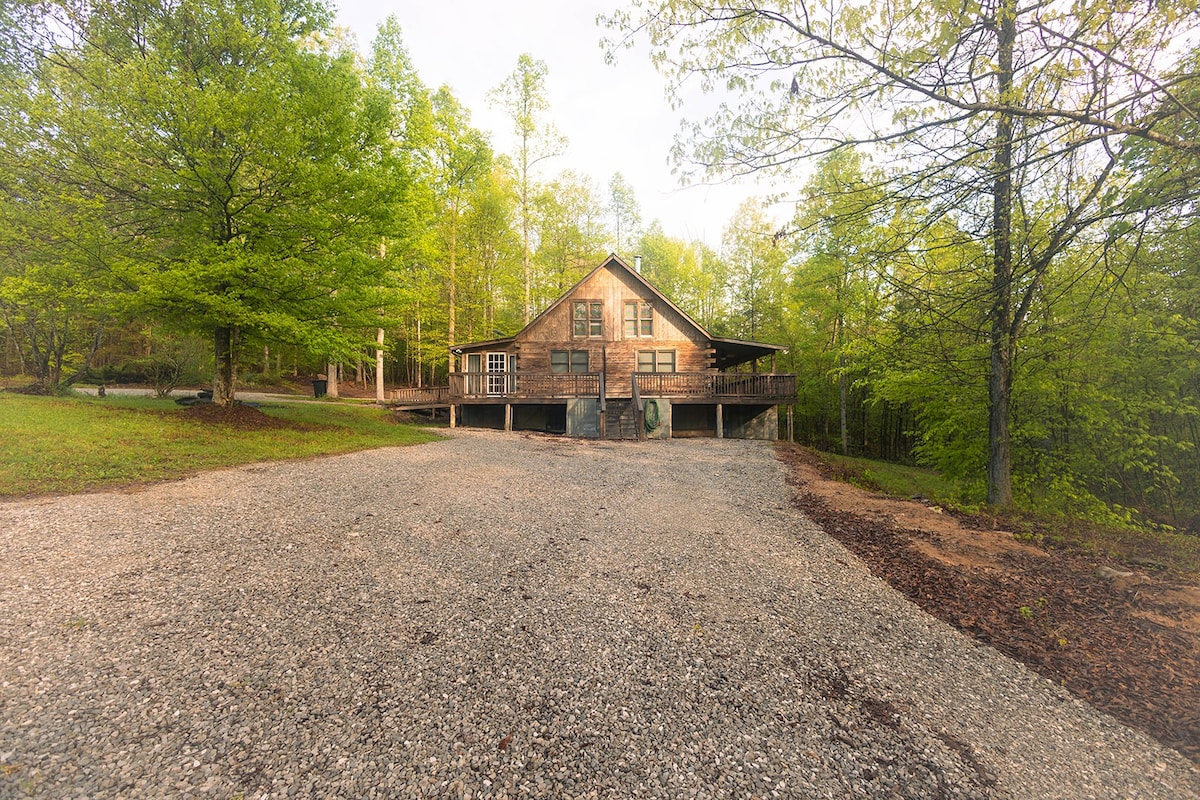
<point>1123,640</point>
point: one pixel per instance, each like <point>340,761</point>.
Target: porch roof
<point>731,352</point>
<point>471,347</point>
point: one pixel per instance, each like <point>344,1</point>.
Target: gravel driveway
<point>505,616</point>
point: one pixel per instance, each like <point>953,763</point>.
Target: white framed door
<point>497,365</point>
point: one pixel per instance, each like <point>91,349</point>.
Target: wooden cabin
<point>614,358</point>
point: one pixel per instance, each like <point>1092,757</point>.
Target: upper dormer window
<point>587,319</point>
<point>639,319</point>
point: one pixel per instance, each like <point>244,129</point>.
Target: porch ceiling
<point>731,352</point>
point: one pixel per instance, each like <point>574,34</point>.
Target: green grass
<point>895,480</point>
<point>60,445</point>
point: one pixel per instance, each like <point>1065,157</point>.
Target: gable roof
<point>729,352</point>
<point>615,259</point>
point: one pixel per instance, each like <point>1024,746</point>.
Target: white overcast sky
<point>617,117</point>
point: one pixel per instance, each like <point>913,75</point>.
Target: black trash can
<point>319,387</point>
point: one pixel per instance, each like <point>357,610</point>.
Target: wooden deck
<point>484,386</point>
<point>696,387</point>
<point>718,387</point>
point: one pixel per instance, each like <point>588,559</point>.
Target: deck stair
<point>620,420</point>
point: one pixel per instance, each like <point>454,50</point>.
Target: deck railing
<point>420,396</point>
<point>524,384</point>
<point>717,385</point>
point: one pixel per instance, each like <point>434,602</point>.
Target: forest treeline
<point>994,272</point>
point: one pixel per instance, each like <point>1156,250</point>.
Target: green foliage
<point>230,166</point>
<point>690,273</point>
<point>1113,539</point>
<point>173,363</point>
<point>523,96</point>
<point>567,217</point>
<point>623,211</point>
<point>756,272</point>
<point>60,445</point>
<point>232,169</point>
<point>898,480</point>
<point>1006,123</point>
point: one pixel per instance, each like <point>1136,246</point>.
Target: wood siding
<point>610,352</point>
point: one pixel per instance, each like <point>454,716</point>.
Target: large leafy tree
<point>1010,119</point>
<point>408,246</point>
<point>238,159</point>
<point>492,300</point>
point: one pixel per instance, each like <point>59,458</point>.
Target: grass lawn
<point>60,445</point>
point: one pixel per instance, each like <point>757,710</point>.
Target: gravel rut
<point>497,615</point>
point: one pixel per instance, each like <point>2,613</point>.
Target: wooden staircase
<point>620,420</point>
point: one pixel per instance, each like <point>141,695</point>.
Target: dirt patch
<point>33,390</point>
<point>240,417</point>
<point>1124,641</point>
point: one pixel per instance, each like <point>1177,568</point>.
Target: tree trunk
<point>999,469</point>
<point>379,366</point>
<point>331,373</point>
<point>840,322</point>
<point>451,330</point>
<point>224,368</point>
<point>86,366</point>
<point>841,397</point>
<point>525,226</point>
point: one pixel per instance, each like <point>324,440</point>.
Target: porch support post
<point>508,417</point>
<point>453,415</point>
<point>720,421</point>
<point>790,428</point>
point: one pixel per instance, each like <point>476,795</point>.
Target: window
<point>568,360</point>
<point>639,319</point>
<point>656,361</point>
<point>587,318</point>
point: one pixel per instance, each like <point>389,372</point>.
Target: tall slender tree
<point>623,210</point>
<point>756,266</point>
<point>567,216</point>
<point>462,158</point>
<point>523,95</point>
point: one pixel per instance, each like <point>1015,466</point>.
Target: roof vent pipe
<point>637,264</point>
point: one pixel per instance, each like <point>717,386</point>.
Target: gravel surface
<point>506,616</point>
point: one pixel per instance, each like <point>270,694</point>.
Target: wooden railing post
<point>637,408</point>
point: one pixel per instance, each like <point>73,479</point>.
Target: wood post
<point>453,415</point>
<point>508,417</point>
<point>720,421</point>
